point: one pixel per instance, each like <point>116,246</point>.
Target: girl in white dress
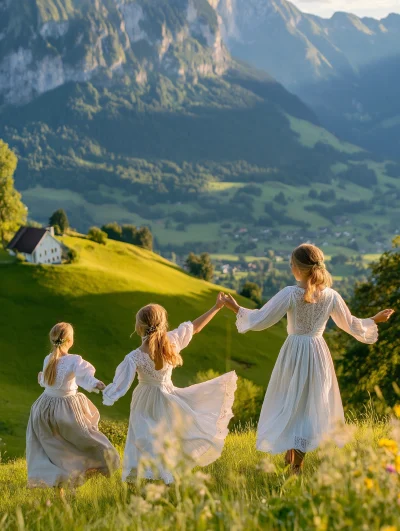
<point>302,404</point>
<point>195,419</point>
<point>63,444</point>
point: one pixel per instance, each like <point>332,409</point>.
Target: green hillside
<point>100,296</point>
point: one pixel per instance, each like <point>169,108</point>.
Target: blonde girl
<point>302,404</point>
<point>194,419</point>
<point>63,444</point>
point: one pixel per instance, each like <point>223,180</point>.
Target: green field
<point>117,206</point>
<point>353,488</point>
<point>100,296</point>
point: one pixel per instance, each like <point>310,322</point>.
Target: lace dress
<point>302,404</point>
<point>62,438</point>
<point>168,426</point>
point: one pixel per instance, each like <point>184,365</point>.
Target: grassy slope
<point>340,489</point>
<point>100,296</point>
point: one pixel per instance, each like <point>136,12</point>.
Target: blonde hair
<point>309,260</point>
<point>152,324</point>
<point>59,335</point>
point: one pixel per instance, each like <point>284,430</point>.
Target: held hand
<point>383,316</point>
<point>231,303</point>
<point>220,300</point>
<point>100,386</point>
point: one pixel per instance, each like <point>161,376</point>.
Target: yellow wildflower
<point>389,444</point>
<point>388,528</point>
<point>369,483</point>
<point>396,410</point>
<point>397,463</point>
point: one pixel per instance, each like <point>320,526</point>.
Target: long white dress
<point>169,425</point>
<point>62,439</point>
<point>302,404</point>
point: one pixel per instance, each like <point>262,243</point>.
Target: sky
<point>363,8</point>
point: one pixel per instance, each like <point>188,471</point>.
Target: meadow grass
<point>100,296</point>
<point>356,487</point>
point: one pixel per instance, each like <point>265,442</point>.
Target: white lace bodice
<point>72,371</point>
<point>139,362</point>
<point>306,319</point>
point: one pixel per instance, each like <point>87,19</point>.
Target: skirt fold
<point>63,442</point>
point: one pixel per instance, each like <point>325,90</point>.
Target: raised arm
<point>261,319</point>
<point>203,320</point>
<point>364,330</point>
<point>123,379</point>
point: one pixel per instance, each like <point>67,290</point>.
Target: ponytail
<point>59,335</point>
<point>309,260</point>
<point>152,324</point>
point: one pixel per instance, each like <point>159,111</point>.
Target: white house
<point>38,246</point>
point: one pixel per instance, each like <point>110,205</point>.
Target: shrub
<point>115,432</point>
<point>97,235</point>
<point>73,256</point>
<point>248,397</point>
<point>252,291</point>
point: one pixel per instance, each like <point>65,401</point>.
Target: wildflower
<point>48,503</point>
<point>391,469</point>
<point>154,492</point>
<point>388,528</point>
<point>369,483</point>
<point>268,467</point>
<point>389,444</point>
<point>396,410</point>
<point>206,513</point>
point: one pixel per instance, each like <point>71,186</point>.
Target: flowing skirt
<point>302,405</point>
<point>63,442</point>
<point>172,427</point>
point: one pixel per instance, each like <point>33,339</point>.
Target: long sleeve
<point>182,336</point>
<point>123,379</point>
<point>364,330</point>
<point>84,374</point>
<point>267,316</point>
<point>41,373</point>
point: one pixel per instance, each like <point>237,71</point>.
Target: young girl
<point>302,403</point>
<point>197,416</point>
<point>63,444</point>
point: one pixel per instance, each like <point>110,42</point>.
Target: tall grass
<point>355,487</point>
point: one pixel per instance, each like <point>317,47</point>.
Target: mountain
<point>100,296</point>
<point>135,111</point>
<point>364,107</point>
<point>299,48</point>
<point>345,68</point>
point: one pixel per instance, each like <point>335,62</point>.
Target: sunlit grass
<point>356,487</point>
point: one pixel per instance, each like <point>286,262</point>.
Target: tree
<point>129,234</point>
<point>59,219</point>
<point>339,259</point>
<point>252,291</point>
<point>145,238</point>
<point>12,211</point>
<point>362,368</point>
<point>113,231</point>
<point>97,235</point>
<point>200,266</point>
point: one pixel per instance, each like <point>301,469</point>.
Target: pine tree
<point>12,211</point>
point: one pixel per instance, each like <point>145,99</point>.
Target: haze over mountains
<point>345,67</point>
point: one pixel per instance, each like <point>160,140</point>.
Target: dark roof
<point>26,239</point>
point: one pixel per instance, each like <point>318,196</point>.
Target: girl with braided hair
<point>63,444</point>
<point>170,426</point>
<point>302,404</point>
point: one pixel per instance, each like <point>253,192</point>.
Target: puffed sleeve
<point>182,336</point>
<point>267,316</point>
<point>123,379</point>
<point>364,330</point>
<point>84,374</point>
